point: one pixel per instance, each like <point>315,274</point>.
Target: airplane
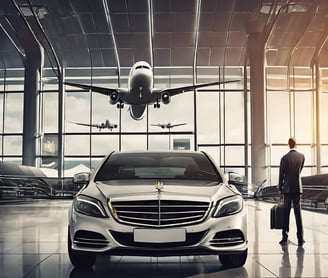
<point>106,124</point>
<point>140,91</point>
<point>168,125</point>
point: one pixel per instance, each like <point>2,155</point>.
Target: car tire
<point>233,260</point>
<point>78,260</point>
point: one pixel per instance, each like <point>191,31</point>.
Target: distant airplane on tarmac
<point>140,91</point>
<point>106,124</point>
<point>168,125</point>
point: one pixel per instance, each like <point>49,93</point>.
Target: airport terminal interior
<point>232,78</point>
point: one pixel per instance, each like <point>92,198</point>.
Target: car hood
<point>135,189</point>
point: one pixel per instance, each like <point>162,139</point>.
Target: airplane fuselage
<point>140,84</point>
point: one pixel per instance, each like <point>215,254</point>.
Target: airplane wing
<point>168,125</point>
<point>117,94</point>
<point>83,124</point>
<point>101,90</point>
<point>159,125</point>
<point>174,125</point>
<point>179,90</point>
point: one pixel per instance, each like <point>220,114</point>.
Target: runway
<point>33,239</point>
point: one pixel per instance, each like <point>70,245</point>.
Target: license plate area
<point>159,236</point>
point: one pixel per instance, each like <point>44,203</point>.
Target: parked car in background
<point>239,181</point>
<point>157,204</point>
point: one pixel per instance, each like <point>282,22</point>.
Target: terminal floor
<point>33,238</point>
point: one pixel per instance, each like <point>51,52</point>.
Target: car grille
<point>160,213</point>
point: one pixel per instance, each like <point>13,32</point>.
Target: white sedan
<point>170,203</point>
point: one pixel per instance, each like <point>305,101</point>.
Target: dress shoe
<point>283,241</point>
<point>301,242</point>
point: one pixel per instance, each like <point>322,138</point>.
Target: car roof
<point>159,152</point>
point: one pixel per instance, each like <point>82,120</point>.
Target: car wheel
<point>233,260</point>
<point>79,260</point>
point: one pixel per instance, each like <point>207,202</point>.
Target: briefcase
<point>277,216</point>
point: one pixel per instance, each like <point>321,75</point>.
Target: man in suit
<point>290,189</point>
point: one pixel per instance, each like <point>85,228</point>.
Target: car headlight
<point>228,206</point>
<point>89,206</point>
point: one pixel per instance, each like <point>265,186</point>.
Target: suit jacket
<point>290,169</point>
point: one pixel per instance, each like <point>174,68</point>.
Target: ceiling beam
<point>151,31</point>
<point>196,38</point>
<point>110,25</point>
<point>12,38</point>
<point>307,19</point>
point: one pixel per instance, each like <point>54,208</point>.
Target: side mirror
<point>83,177</point>
<point>225,178</point>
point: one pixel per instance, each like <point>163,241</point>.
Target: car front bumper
<point>105,235</point>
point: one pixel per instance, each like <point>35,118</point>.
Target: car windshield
<point>184,166</point>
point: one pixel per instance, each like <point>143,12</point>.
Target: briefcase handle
<point>281,197</point>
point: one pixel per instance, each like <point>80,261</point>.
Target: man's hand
<point>281,196</point>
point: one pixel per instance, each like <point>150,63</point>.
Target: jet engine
<point>166,98</point>
<point>113,98</point>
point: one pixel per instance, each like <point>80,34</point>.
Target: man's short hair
<point>292,142</point>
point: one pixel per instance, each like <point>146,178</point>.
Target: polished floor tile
<point>33,237</point>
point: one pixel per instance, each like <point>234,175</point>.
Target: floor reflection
<point>33,244</point>
<point>173,267</point>
<point>287,269</point>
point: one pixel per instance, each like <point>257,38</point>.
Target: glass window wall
<point>291,112</point>
<point>221,123</point>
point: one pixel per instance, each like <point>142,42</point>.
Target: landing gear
<point>157,104</point>
<point>120,105</point>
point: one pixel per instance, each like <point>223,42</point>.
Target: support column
<point>60,141</point>
<point>317,124</point>
<point>33,65</point>
<point>32,55</point>
<point>256,45</point>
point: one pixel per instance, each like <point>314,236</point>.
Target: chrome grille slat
<point>140,219</point>
<point>136,212</point>
<point>184,212</point>
<point>159,213</point>
<point>90,243</point>
<point>217,241</point>
<point>90,239</point>
<point>225,243</point>
<point>183,218</point>
<point>132,206</point>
